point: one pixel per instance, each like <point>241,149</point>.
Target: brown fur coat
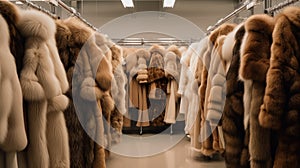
<point>280,110</point>
<point>76,44</point>
<point>255,55</point>
<point>233,114</point>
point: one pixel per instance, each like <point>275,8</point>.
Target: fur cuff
<point>58,103</point>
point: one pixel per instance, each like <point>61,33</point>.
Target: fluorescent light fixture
<point>19,3</point>
<point>169,3</point>
<point>127,3</point>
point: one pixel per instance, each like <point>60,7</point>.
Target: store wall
<point>202,13</point>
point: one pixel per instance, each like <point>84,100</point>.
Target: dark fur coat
<point>255,55</point>
<point>280,110</point>
<point>233,114</point>
<point>71,36</point>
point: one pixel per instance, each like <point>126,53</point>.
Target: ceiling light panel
<point>169,3</point>
<point>127,3</point>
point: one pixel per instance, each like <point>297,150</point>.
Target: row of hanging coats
<point>153,77</point>
<point>59,81</point>
<point>247,81</point>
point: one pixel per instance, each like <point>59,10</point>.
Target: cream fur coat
<point>12,130</point>
<point>43,81</point>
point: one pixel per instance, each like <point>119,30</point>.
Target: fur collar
<point>260,23</point>
<point>157,48</point>
<point>222,30</point>
<point>80,32</point>
<point>175,50</point>
<point>36,24</point>
<point>293,14</point>
<point>143,53</point>
<point>9,11</point>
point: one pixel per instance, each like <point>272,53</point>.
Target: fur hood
<point>255,61</point>
<point>36,24</point>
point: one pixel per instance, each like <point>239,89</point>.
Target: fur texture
<point>156,65</point>
<point>236,155</point>
<point>87,90</point>
<point>10,13</point>
<point>12,129</point>
<point>206,133</point>
<point>43,82</point>
<point>118,92</point>
<point>280,110</point>
<point>255,55</point>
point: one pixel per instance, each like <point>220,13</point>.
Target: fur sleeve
<point>275,99</point>
<point>100,65</point>
<point>31,88</point>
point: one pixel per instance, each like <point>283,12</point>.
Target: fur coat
<point>255,55</point>
<point>183,81</point>
<point>236,155</point>
<point>280,109</point>
<point>142,78</point>
<point>171,74</point>
<point>43,81</point>
<point>12,129</point>
<point>118,92</point>
<point>76,43</point>
<point>206,133</point>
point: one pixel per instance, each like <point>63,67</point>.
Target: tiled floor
<point>174,157</point>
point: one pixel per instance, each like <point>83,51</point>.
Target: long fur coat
<point>255,55</point>
<point>280,109</point>
<point>77,44</point>
<point>43,81</point>
<point>206,132</point>
<point>12,129</point>
<point>236,155</point>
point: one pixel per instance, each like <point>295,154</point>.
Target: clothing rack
<point>77,14</point>
<point>149,42</point>
<point>39,8</point>
<point>271,10</point>
<point>245,6</point>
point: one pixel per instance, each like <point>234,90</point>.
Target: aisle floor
<point>176,157</point>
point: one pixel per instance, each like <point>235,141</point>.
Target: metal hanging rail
<point>39,8</point>
<point>75,13</point>
<point>149,42</point>
<point>246,6</point>
<point>271,10</point>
